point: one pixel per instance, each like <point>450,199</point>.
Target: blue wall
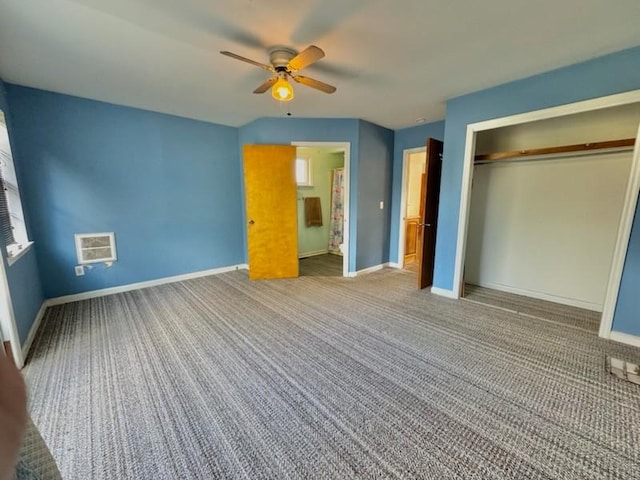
<point>26,292</point>
<point>375,161</point>
<point>23,276</point>
<point>287,130</point>
<point>606,75</point>
<point>167,186</point>
<point>412,137</point>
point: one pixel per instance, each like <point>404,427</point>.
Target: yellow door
<point>272,220</point>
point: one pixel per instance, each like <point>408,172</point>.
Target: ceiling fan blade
<point>317,84</point>
<point>269,68</point>
<point>305,58</point>
<point>266,85</point>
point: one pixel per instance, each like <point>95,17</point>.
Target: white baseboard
<point>541,296</point>
<point>26,346</point>
<point>314,253</point>
<point>375,268</point>
<point>394,265</point>
<point>137,286</point>
<point>443,292</point>
<point>625,338</point>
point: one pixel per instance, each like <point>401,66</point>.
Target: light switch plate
<point>79,270</point>
<point>381,205</point>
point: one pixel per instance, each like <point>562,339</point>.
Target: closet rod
<point>580,147</point>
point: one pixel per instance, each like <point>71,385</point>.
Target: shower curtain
<point>336,226</point>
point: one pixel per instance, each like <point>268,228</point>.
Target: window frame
<point>307,167</point>
<point>14,201</point>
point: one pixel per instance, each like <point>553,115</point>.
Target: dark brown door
<point>429,215</point>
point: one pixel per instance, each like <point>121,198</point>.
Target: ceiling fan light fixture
<point>285,64</point>
<point>282,90</point>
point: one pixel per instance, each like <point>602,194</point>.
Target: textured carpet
<point>556,312</point>
<point>328,265</point>
<point>332,378</point>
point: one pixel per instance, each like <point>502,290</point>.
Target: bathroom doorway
<point>322,199</point>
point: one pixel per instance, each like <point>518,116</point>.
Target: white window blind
<point>6,227</point>
<point>12,224</point>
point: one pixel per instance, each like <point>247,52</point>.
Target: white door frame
<point>7,318</point>
<point>403,202</point>
<point>628,211</point>
<point>346,147</point>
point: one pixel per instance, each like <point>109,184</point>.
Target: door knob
<point>251,222</point>
<point>424,224</point>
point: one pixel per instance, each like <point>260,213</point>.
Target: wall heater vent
<point>95,247</point>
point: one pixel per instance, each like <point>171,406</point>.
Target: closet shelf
<point>580,147</point>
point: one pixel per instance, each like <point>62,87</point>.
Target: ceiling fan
<point>285,62</point>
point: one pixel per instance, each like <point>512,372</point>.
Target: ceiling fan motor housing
<point>280,57</point>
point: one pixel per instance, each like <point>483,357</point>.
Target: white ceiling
<point>393,62</point>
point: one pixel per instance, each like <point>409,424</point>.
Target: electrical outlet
<point>624,370</point>
<point>79,270</point>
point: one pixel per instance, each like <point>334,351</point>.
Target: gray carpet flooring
<point>566,314</point>
<point>329,378</point>
<point>327,265</point>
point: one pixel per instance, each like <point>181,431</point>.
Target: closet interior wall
<point>546,227</point>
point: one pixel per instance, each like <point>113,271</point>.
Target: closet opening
<point>546,212</point>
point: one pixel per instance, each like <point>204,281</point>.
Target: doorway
<point>320,197</point>
<point>322,177</point>
<point>629,191</point>
<point>271,202</point>
<point>422,168</point>
<point>414,163</point>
